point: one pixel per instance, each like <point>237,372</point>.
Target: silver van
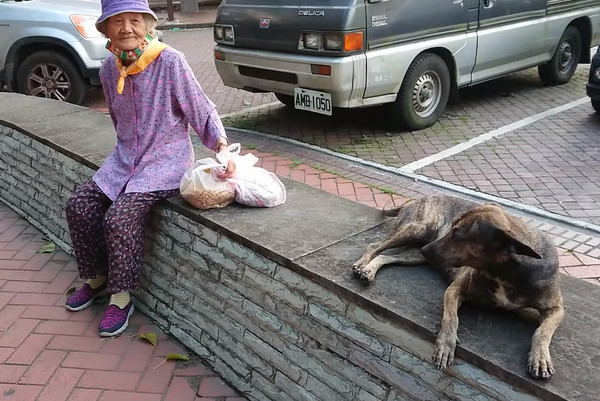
<point>410,55</point>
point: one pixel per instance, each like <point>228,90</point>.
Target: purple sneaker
<point>115,320</point>
<point>84,297</point>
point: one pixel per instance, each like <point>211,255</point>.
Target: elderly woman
<point>152,97</point>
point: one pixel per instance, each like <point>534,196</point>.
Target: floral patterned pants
<point>108,237</point>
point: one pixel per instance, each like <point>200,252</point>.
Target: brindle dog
<point>489,257</point>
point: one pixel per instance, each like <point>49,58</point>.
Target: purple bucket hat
<point>113,7</point>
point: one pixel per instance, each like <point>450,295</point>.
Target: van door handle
<point>488,3</point>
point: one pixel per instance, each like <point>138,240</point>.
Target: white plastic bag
<point>254,186</point>
<point>201,187</point>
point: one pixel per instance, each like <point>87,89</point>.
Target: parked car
<point>51,48</point>
<point>593,85</point>
<point>409,55</point>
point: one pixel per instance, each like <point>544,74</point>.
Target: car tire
<point>51,75</point>
<point>560,69</point>
<point>288,100</point>
<point>423,95</point>
<point>596,105</point>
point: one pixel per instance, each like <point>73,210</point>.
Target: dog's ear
<point>513,245</point>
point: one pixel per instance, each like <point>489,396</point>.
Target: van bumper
<point>264,71</point>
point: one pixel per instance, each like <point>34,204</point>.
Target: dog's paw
<point>539,364</point>
<point>365,273</point>
<point>443,353</point>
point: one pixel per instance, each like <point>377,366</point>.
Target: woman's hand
<point>229,171</point>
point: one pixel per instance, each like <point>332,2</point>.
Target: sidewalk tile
<point>68,328</point>
<point>157,376</point>
<point>180,390</point>
<point>37,262</point>
<point>61,384</point>
<point>10,374</point>
<point>43,367</point>
<point>89,360</point>
<point>34,299</point>
<point>23,286</point>
<point>101,379</point>
<point>215,387</point>
<point>75,343</point>
<point>49,271</point>
<point>137,356</point>
<point>20,393</point>
<point>17,332</point>
<point>29,349</point>
<point>5,353</point>
<point>62,283</point>
<point>84,394</point>
<point>9,315</point>
<point>129,396</point>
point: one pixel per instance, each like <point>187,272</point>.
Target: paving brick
<point>8,315</point>
<point>17,332</point>
<point>584,271</point>
<point>16,275</point>
<point>23,286</point>
<point>75,343</point>
<point>157,376</point>
<point>180,390</point>
<point>49,271</point>
<point>5,353</point>
<point>137,356</point>
<point>89,360</point>
<point>62,283</point>
<point>6,298</point>
<point>61,384</point>
<point>85,394</point>
<point>37,261</point>
<point>118,345</point>
<point>215,387</point>
<point>101,379</point>
<point>60,327</point>
<point>20,393</point>
<point>29,349</point>
<point>11,264</point>
<point>129,396</point>
<point>34,299</point>
<point>43,367</point>
<point>10,374</point>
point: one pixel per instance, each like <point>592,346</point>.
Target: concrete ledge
<point>266,296</point>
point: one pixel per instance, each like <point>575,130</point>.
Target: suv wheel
<point>423,95</point>
<point>51,75</point>
<point>563,64</point>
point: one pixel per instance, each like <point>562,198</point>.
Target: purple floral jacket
<point>151,118</point>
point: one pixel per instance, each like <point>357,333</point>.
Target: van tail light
<point>353,41</point>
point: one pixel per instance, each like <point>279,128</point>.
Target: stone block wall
<point>270,330</point>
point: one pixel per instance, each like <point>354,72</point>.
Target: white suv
<point>50,48</point>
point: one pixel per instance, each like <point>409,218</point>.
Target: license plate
<point>309,100</point>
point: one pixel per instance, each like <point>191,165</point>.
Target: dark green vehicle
<point>593,85</point>
<point>409,55</point>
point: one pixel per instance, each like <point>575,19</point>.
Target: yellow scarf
<point>150,53</point>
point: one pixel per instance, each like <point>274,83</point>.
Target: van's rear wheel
<point>596,105</point>
<point>424,93</point>
<point>285,99</point>
<point>560,69</point>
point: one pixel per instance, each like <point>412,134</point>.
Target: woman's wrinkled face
<point>126,31</point>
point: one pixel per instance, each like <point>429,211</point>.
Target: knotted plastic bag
<point>202,188</point>
<point>254,186</point>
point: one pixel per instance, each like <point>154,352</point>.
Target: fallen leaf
<point>150,337</point>
<point>176,357</point>
<point>48,248</point>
